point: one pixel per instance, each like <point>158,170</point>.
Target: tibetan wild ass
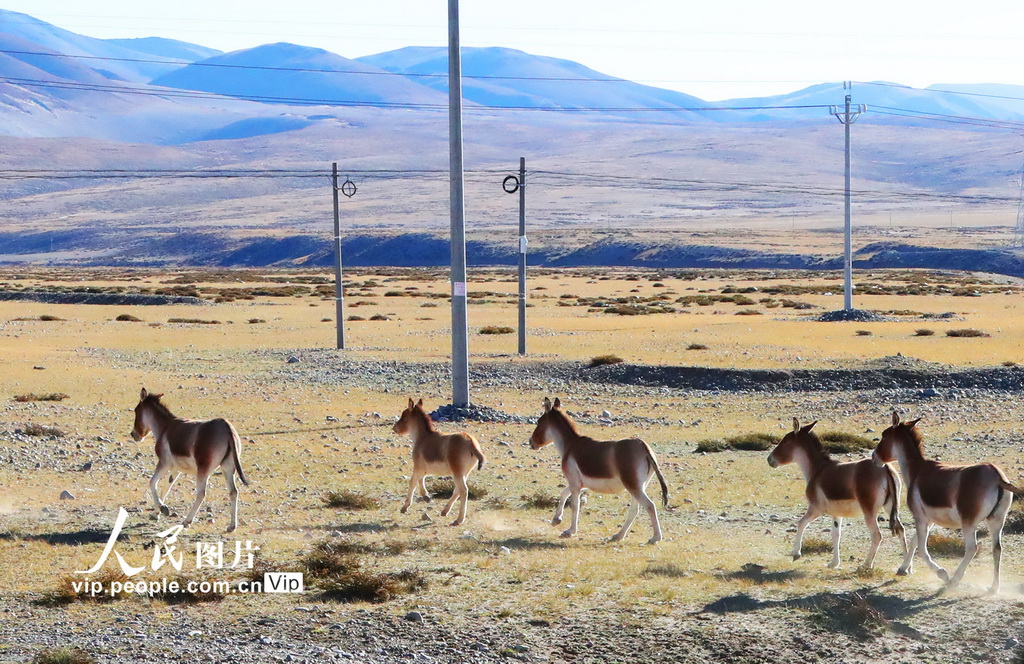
<point>435,453</point>
<point>950,496</point>
<point>605,466</point>
<point>190,446</point>
<point>854,488</point>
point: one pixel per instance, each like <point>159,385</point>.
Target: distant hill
<point>324,76</point>
<point>167,48</point>
<point>63,41</point>
<point>532,80</point>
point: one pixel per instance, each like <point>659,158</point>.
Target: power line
<point>939,90</point>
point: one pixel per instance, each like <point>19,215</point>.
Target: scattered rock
<point>66,495</point>
<point>414,616</point>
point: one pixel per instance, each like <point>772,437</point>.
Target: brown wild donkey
<point>435,453</point>
<point>854,488</point>
<point>195,447</point>
<point>604,466</point>
<point>950,496</point>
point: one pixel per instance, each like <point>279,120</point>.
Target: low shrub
<point>497,329</point>
<point>33,429</point>
<point>923,332</point>
<point>32,396</point>
<point>193,321</point>
<point>350,500</point>
<point>967,332</point>
<point>749,312</point>
<point>838,442</point>
<point>947,546</point>
<point>696,347</point>
<point>605,359</point>
<point>256,321</point>
<point>63,655</point>
<point>363,586</point>
<point>128,318</point>
<point>47,317</point>
<point>379,317</point>
<point>864,333</point>
<point>540,501</point>
<point>445,487</point>
<point>355,318</point>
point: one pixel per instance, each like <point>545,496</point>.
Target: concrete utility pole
<point>848,117</point>
<point>339,293</point>
<point>1018,230</point>
<point>522,255</point>
<point>460,329</point>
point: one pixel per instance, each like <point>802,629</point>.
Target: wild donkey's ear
<point>143,394</point>
<point>796,424</point>
<point>913,423</point>
<point>808,427</point>
<point>410,403</point>
<point>547,404</point>
<point>895,419</point>
<point>420,403</point>
<point>558,402</point>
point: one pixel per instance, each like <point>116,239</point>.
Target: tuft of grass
<point>749,312</point>
<point>665,570</point>
<point>967,332</point>
<point>32,396</point>
<point>540,501</point>
<point>33,429</point>
<point>947,546</point>
<point>747,442</point>
<point>48,317</point>
<point>329,559</point>
<point>193,321</point>
<point>605,359</point>
<point>65,592</point>
<point>363,586</point>
<point>852,613</point>
<point>63,655</point>
<point>354,317</point>
<point>350,500</point>
<point>696,347</point>
<point>1015,519</point>
<point>256,321</point>
<point>813,546</point>
<point>1009,363</point>
<point>128,318</point>
<point>192,589</point>
<point>379,317</point>
<point>864,333</point>
<point>444,487</point>
<point>838,442</point>
<point>497,329</point>
<point>923,332</point>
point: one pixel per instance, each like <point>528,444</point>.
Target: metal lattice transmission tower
<point>1018,230</point>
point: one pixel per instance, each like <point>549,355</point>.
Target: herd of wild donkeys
<point>951,496</point>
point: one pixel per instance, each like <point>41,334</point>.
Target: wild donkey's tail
<point>1011,488</point>
<point>236,449</point>
<point>661,478</point>
<point>475,450</point>
<point>893,486</point>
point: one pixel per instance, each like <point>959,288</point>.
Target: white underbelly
<point>183,464</point>
<point>946,517</point>
<point>441,469</point>
<point>603,484</point>
<point>843,508</point>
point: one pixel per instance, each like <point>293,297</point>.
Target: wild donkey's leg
<point>575,512</point>
<point>560,506</point>
<point>652,510</point>
<point>414,481</point>
<point>908,554</point>
<point>423,488</point>
<point>922,544</point>
<point>202,478</point>
<point>871,519</point>
<point>170,485</point>
<point>462,492</point>
<point>995,526</point>
<point>810,515</point>
<point>229,478</point>
<point>455,493</point>
<point>837,536</point>
<point>634,509</point>
<point>970,533</point>
<point>161,468</point>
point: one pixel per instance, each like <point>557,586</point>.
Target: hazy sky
<point>715,50</point>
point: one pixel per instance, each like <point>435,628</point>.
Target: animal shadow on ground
<point>758,574</point>
<point>364,527</point>
<point>527,544</point>
<point>74,538</point>
<point>860,613</point>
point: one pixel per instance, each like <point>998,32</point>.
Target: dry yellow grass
<point>723,503</point>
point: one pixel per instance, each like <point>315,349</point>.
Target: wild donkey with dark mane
<point>195,447</point>
<point>950,496</point>
<point>604,466</point>
<point>435,453</point>
<point>854,488</point>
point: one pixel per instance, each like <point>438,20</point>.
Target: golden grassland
<point>728,510</point>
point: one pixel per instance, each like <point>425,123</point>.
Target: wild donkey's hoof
<point>457,522</point>
<point>555,521</point>
<point>943,574</point>
<point>797,556</point>
<point>230,529</point>
<point>834,564</point>
<point>615,538</point>
<point>166,511</point>
<point>994,590</point>
<point>902,572</point>
<point>405,508</point>
<point>654,540</point>
<point>566,533</point>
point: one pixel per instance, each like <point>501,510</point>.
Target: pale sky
<point>714,50</point>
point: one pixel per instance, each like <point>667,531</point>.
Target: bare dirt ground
<point>503,585</point>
